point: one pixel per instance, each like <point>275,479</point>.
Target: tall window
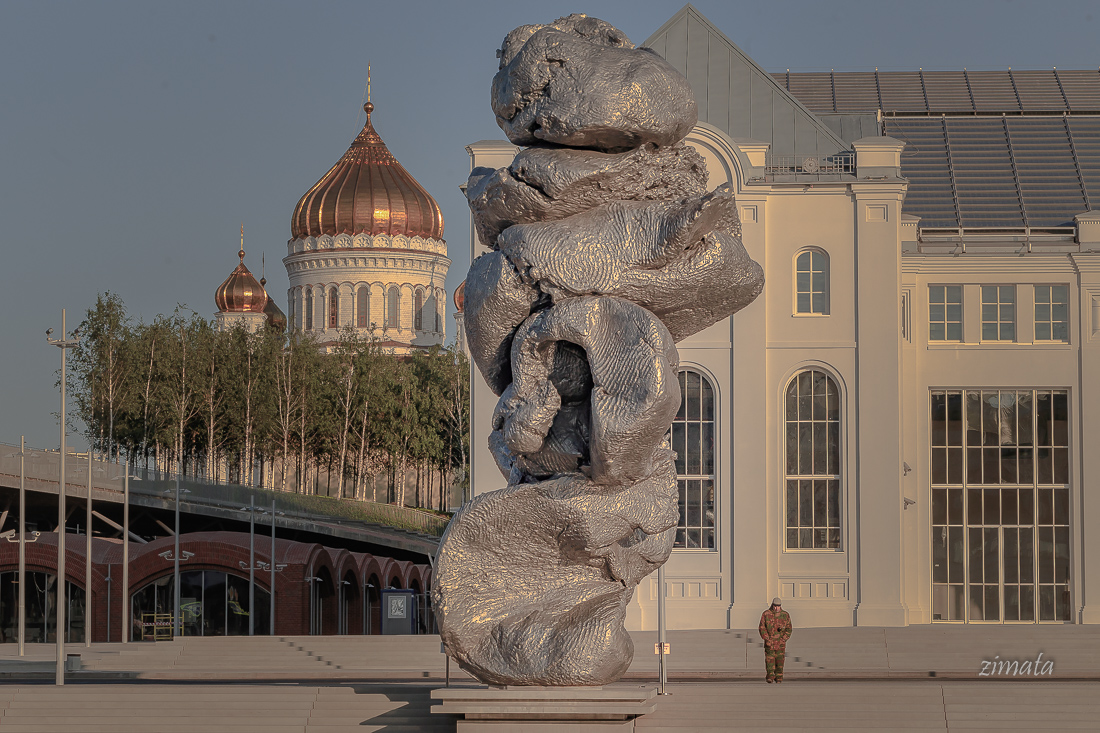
<point>945,312</point>
<point>813,462</point>
<point>1052,313</point>
<point>294,311</point>
<point>812,282</point>
<point>438,316</point>
<point>998,313</point>
<point>362,307</point>
<point>1000,505</point>
<point>393,303</point>
<point>693,441</point>
<point>309,309</point>
<point>333,308</point>
<point>418,310</point>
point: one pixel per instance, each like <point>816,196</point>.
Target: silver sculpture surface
<point>607,249</point>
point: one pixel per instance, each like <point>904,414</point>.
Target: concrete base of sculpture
<point>545,709</point>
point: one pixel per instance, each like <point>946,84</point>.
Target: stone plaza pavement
<point>914,679</point>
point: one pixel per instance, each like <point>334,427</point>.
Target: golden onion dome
<point>240,293</point>
<point>276,319</point>
<point>460,296</point>
<point>367,192</point>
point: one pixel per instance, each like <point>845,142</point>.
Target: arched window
<point>693,439</point>
<point>333,308</point>
<point>438,315</point>
<point>212,603</point>
<point>40,620</point>
<point>813,462</point>
<point>812,282</point>
<point>362,307</point>
<point>418,310</point>
<point>293,311</point>
<point>393,304</point>
<point>309,310</point>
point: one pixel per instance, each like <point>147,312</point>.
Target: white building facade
<point>896,431</point>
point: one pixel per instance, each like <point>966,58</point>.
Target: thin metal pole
<point>62,601</point>
<point>126,625</point>
<point>662,679</point>
<point>88,561</point>
<point>22,546</point>
<point>271,597</point>
<point>176,627</point>
<point>251,565</point>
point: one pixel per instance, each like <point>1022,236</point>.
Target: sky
<point>137,137</point>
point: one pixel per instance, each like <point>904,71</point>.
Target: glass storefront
<point>40,599</point>
<point>1000,505</point>
<point>212,603</point>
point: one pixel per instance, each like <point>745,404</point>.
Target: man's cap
<point>777,602</point>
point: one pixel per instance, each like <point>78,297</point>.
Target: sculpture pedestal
<point>545,709</point>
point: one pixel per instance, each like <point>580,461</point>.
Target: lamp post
<point>175,556</point>
<point>64,344</point>
<point>22,539</point>
<point>253,566</point>
<point>661,672</point>
<point>126,626</point>
<point>88,561</point>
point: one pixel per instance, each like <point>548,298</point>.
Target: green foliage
<point>274,410</point>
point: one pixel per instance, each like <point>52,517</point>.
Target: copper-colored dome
<point>367,191</point>
<point>460,296</point>
<point>240,293</point>
<point>276,319</point>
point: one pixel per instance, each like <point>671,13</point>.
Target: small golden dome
<point>240,293</point>
<point>369,192</point>
<point>460,296</point>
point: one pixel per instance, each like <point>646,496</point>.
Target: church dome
<point>241,293</point>
<point>367,192</point>
<point>460,296</point>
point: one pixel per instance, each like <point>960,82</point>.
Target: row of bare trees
<point>272,409</point>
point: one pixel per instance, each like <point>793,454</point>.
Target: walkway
<point>844,679</point>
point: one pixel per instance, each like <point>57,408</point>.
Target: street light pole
<point>63,344</point>
<point>88,561</point>
<point>21,538</point>
<point>176,627</point>
<point>22,545</point>
<point>661,672</point>
<point>251,565</point>
<point>271,596</point>
<point>126,623</point>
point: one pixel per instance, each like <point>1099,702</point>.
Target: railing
<point>42,465</point>
<point>799,165</point>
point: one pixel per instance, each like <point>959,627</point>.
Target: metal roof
<point>946,92</point>
<point>1000,172</point>
<point>984,149</point>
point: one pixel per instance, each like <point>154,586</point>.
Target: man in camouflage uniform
<point>775,629</point>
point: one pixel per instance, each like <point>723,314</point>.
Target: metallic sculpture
<point>607,249</point>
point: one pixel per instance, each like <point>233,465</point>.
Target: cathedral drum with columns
<point>367,252</point>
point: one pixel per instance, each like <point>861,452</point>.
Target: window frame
<point>838,478</point>
<point>1000,324</point>
<point>393,307</point>
<point>683,479</point>
<point>1050,321</point>
<point>362,306</point>
<point>946,321</point>
<point>825,292</point>
<point>333,319</point>
<point>418,310</point>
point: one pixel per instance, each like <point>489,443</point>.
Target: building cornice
<point>987,265</point>
<point>366,242</point>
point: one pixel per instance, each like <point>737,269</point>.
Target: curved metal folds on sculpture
<point>607,249</point>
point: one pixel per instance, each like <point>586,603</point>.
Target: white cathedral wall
<point>318,271</point>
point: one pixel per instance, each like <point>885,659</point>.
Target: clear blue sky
<point>137,137</point>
